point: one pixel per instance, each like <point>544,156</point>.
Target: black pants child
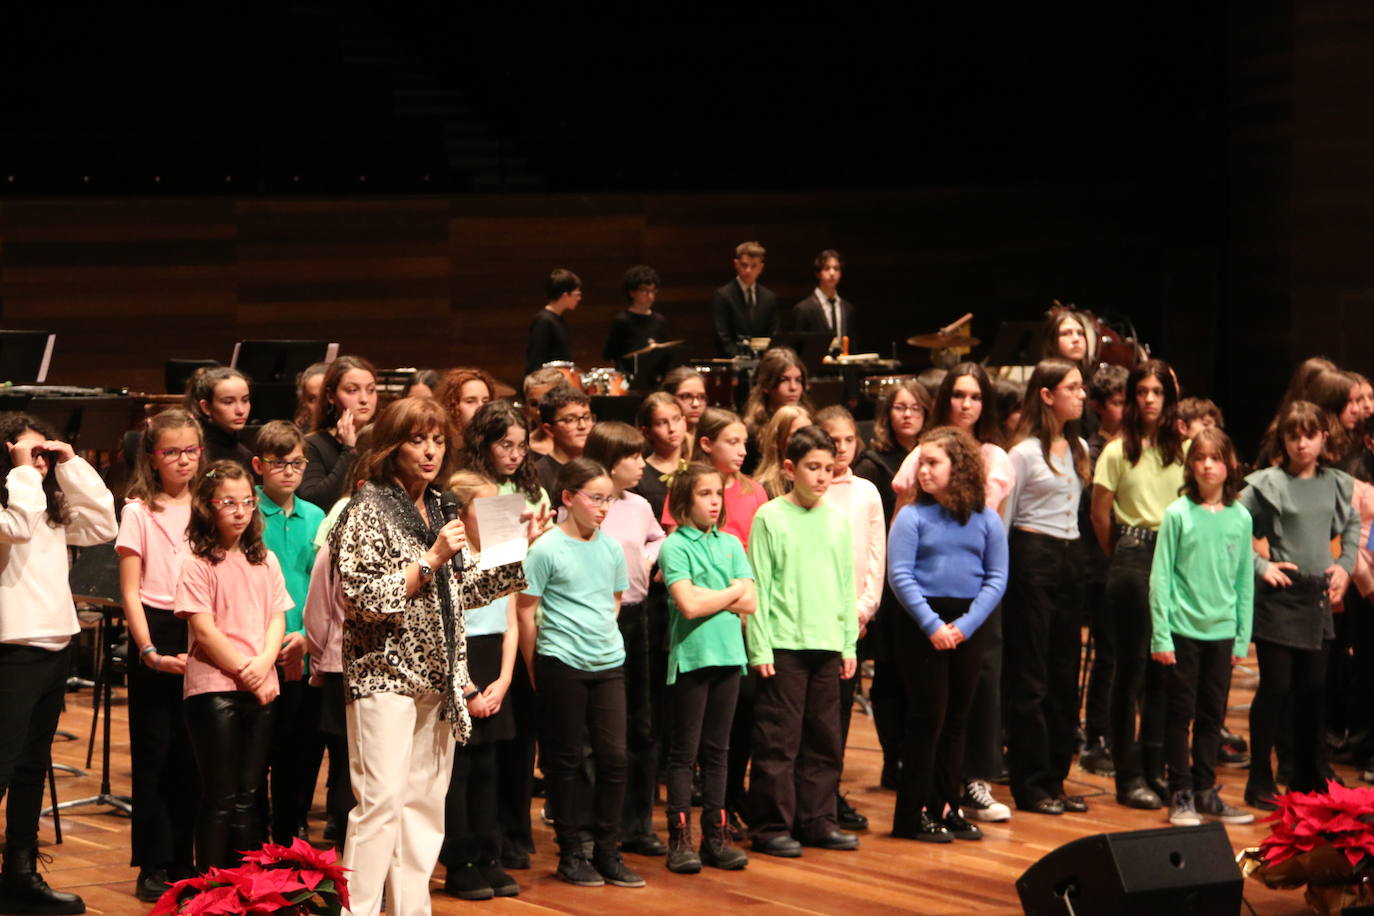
<point>574,703</point>
<point>32,684</point>
<point>939,687</point>
<point>1300,674</point>
<point>1196,687</point>
<point>166,786</point>
<point>703,704</point>
<point>796,747</point>
<point>641,737</point>
<point>1138,681</point>
<point>231,734</point>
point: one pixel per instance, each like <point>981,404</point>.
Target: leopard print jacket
<point>395,644</point>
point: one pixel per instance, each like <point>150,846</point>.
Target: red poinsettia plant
<point>293,879</point>
<point>1339,817</point>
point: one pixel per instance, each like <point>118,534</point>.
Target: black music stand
<point>25,355</point>
<point>273,366</point>
<point>94,580</point>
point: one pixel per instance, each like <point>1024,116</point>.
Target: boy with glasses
<point>566,419</point>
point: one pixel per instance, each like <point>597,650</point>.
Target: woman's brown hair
<point>611,442</point>
<point>1212,441</point>
<point>773,444</point>
<point>967,493</point>
<point>12,426</point>
<point>1303,418</point>
<point>329,411</point>
<point>644,419</point>
<point>768,376</point>
<point>397,423</point>
<point>203,531</point>
<point>146,484</point>
<point>713,422</point>
<point>1039,422</point>
<point>1167,437</point>
<point>883,440</point>
<point>450,390</point>
<point>680,496</point>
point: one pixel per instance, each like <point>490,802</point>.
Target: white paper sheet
<point>503,534</point>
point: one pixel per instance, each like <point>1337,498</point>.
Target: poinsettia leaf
<point>310,878</point>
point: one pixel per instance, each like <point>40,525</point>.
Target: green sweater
<point>804,573</point>
<point>1202,584</point>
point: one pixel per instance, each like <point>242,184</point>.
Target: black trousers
<point>166,784</point>
<point>338,799</point>
<point>231,735</point>
<point>1097,705</point>
<point>1359,689</point>
<point>886,692</point>
<point>472,829</point>
<point>983,758</point>
<point>703,711</point>
<point>741,746</point>
<point>1300,675</point>
<point>294,760</point>
<point>1043,619</point>
<point>641,737</point>
<point>1138,682</point>
<point>33,682</point>
<point>515,761</point>
<point>939,687</point>
<point>1196,687</point>
<point>797,755</point>
<point>574,704</point>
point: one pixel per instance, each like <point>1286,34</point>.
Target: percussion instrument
<point>721,377</point>
<point>653,345</point>
<point>873,386</point>
<point>568,370</point>
<point>605,381</point>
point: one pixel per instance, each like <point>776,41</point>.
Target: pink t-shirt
<point>1000,479</point>
<point>739,509</point>
<point>242,596</point>
<point>631,522</point>
<point>159,540</point>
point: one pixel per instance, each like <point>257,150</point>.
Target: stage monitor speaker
<point>1177,870</point>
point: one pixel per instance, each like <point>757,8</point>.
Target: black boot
<point>716,848</point>
<point>682,858</point>
<point>23,890</point>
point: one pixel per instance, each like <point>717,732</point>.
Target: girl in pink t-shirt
<point>234,599</point>
<point>152,545</point>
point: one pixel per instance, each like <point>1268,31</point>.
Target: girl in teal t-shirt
<point>707,575</point>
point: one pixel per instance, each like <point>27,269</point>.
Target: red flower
<point>216,900</point>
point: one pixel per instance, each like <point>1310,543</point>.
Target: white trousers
<point>400,760</point>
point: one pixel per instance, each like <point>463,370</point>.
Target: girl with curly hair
<point>463,392</point>
<point>947,562</point>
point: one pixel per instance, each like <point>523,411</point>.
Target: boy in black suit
<point>824,310</point>
<point>743,308</point>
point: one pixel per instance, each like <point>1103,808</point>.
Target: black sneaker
<point>152,884</point>
<point>1210,806</point>
<point>1096,758</point>
<point>960,828</point>
<point>646,844</point>
<point>846,817</point>
<point>574,868</point>
<point>613,870</point>
<point>466,882</point>
<point>502,884</point>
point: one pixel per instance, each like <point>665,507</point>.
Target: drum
<point>568,370</point>
<point>873,386</point>
<point>720,377</point>
<point>605,381</point>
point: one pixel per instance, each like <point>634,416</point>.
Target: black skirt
<point>484,667</point>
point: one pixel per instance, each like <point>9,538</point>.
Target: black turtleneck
<point>221,445</point>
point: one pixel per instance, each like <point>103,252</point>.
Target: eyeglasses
<point>691,398</point>
<point>172,454</point>
<point>586,419</point>
<point>908,408</point>
<point>506,445</point>
<point>229,504</point>
<point>281,464</point>
<point>596,499</point>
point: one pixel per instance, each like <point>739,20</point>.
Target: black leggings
<point>231,734</point>
<point>703,711</point>
<point>32,684</point>
<point>1301,674</point>
<point>472,830</point>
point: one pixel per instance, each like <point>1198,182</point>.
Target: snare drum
<point>873,386</point>
<point>568,370</point>
<point>605,381</point>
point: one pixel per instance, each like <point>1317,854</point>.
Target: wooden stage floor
<point>885,876</point>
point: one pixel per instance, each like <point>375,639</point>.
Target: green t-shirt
<point>1202,584</point>
<point>576,582</point>
<point>707,559</point>
<point>1142,491</point>
<point>503,489</point>
<point>292,538</point>
<point>804,573</point>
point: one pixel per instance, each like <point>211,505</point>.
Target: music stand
<point>25,355</point>
<point>273,365</point>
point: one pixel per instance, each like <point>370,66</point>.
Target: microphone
<point>448,508</point>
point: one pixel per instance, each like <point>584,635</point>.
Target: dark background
<point>173,179</point>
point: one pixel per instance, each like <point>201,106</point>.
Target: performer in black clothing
<point>743,308</point>
<point>549,340</point>
<point>635,327</point>
<point>824,310</point>
<point>218,397</point>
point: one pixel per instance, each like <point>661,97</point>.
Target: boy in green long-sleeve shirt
<point>1202,588</point>
<point>801,641</point>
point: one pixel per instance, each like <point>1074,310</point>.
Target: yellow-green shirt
<point>1142,491</point>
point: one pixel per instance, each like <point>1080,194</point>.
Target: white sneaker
<point>979,805</point>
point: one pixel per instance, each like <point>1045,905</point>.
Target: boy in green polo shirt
<point>801,642</point>
<point>288,530</point>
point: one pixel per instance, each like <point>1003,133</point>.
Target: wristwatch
<point>425,570</point>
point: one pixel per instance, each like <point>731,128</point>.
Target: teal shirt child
<point>710,560</point>
<point>291,536</point>
<point>804,569</point>
<point>1202,584</point>
<point>576,582</point>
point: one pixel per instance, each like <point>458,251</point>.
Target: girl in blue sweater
<point>947,564</point>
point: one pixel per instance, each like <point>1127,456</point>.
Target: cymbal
<point>942,341</point>
<point>654,345</point>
